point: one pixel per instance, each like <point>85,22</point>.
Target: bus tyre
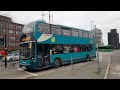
<point>20,65</point>
<point>87,58</point>
<point>57,62</point>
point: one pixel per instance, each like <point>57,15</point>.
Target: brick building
<point>12,31</point>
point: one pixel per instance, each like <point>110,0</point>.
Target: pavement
<point>84,70</point>
<point>10,65</point>
<point>114,70</point>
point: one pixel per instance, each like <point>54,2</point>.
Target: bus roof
<point>64,26</point>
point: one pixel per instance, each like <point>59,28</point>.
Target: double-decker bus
<point>48,45</point>
<point>105,48</point>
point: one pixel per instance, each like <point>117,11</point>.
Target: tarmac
<point>89,70</point>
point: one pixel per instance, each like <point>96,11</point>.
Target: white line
<point>27,72</point>
<point>22,77</point>
<point>106,73</point>
<point>47,72</point>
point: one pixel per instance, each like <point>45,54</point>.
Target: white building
<point>98,36</point>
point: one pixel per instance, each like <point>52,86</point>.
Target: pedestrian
<point>75,49</point>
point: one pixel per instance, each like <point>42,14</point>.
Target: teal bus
<point>105,48</point>
<point>45,45</point>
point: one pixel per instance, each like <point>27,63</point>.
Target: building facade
<point>12,31</point>
<point>98,36</point>
<point>113,38</point>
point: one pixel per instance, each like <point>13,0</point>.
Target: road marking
<point>106,73</point>
<point>20,69</point>
<point>22,77</point>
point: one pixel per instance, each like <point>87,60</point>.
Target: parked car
<point>2,54</point>
<point>12,57</point>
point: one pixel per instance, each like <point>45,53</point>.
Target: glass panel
<point>85,34</point>
<point>66,32</point>
<point>44,28</point>
<point>55,30</point>
<point>74,33</point>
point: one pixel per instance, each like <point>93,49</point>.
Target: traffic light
<point>2,41</point>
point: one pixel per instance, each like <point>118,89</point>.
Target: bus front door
<point>43,55</point>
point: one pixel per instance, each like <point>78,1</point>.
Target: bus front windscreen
<point>26,50</point>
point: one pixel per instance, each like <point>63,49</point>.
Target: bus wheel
<point>87,58</point>
<point>20,65</point>
<point>57,62</point>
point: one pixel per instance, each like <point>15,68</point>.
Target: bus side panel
<point>66,58</point>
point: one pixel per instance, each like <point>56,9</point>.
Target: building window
<point>12,38</point>
<point>7,25</point>
<point>11,32</point>
<point>1,24</point>
<point>1,18</point>
<point>10,25</point>
<point>18,27</point>
<point>16,32</point>
<point>4,31</point>
<point>13,26</point>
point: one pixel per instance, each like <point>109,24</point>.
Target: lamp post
<point>49,16</point>
<point>98,58</point>
<point>42,16</point>
<point>5,51</point>
<point>91,24</point>
<point>96,36</point>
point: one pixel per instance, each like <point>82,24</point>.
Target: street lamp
<point>49,16</point>
<point>42,16</point>
<point>91,24</point>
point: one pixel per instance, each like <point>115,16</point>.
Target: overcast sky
<point>104,20</point>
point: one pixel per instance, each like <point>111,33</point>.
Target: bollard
<point>100,56</point>
<point>98,62</point>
